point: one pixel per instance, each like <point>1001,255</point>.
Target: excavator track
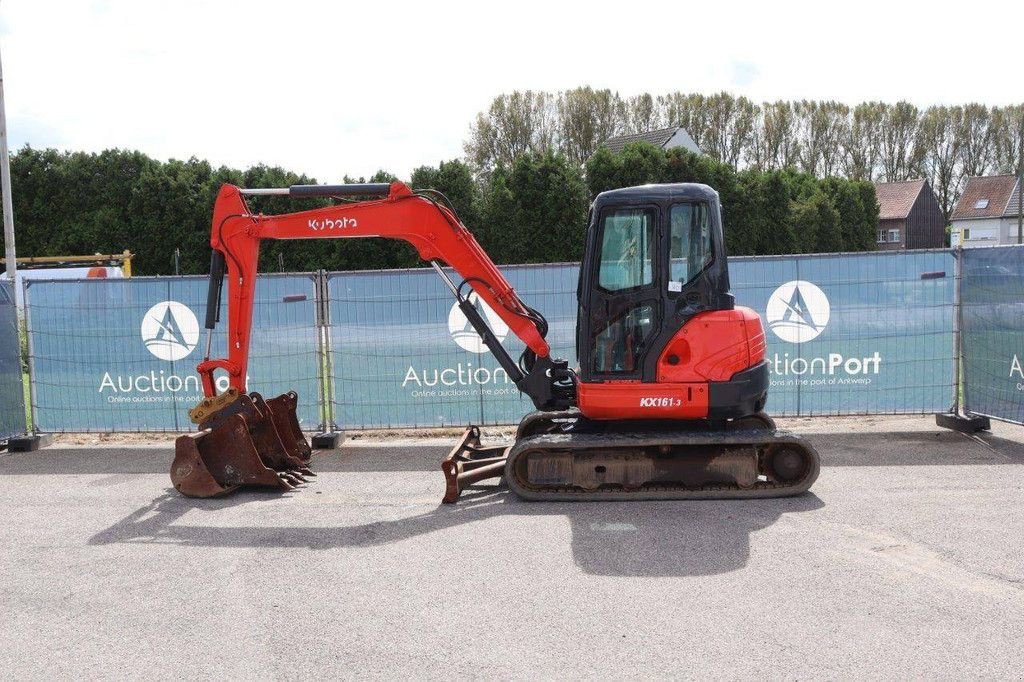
<point>739,464</point>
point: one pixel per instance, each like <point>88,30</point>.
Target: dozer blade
<point>469,462</point>
<point>241,444</point>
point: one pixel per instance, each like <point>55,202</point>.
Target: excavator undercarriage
<point>575,459</point>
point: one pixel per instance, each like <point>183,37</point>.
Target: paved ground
<point>905,561</point>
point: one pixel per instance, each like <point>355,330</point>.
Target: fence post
<point>32,440</point>
<point>328,438</point>
<point>959,419</point>
<point>958,320</point>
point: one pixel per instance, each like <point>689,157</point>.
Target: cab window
<point>690,250</point>
<point>627,246</point>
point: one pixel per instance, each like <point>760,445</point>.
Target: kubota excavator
<point>668,398</point>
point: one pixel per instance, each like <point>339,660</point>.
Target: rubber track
<point>584,442</point>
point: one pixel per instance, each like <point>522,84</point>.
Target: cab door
<point>620,304</point>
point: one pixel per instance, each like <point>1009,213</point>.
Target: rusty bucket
<point>243,440</point>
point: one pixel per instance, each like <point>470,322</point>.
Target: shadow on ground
<point>618,539</point>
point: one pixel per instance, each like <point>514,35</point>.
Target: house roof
<point>895,199</point>
<point>1011,206</point>
<point>659,138</point>
<point>987,197</point>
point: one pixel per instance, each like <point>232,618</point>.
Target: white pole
<point>5,185</point>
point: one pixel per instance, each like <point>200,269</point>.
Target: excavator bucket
<point>243,440</point>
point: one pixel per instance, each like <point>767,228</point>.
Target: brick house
<point>986,213</point>
<point>909,216</point>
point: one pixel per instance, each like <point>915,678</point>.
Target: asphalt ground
<point>904,561</point>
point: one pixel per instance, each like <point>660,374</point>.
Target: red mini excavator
<point>668,398</point>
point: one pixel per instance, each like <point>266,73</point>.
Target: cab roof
<point>685,191</point>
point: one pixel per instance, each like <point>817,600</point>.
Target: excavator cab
<point>655,312</point>
<point>653,260</point>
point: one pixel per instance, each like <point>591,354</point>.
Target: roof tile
<point>659,138</point>
<point>895,199</point>
<point>997,189</point>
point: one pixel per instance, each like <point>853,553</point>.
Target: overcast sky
<point>331,88</point>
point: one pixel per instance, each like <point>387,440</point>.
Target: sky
<point>336,88</point>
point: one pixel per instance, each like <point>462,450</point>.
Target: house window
<point>881,236</point>
<point>981,203</point>
<point>965,233</point>
<point>894,236</point>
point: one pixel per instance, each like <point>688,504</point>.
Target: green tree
<point>536,210</point>
<point>455,180</point>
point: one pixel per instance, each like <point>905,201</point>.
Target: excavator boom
<point>208,463</point>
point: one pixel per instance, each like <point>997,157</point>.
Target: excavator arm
<point>421,219</point>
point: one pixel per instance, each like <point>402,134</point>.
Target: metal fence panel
<point>404,355</point>
<point>847,334</point>
<point>120,354</point>
<point>868,333</point>
<point>12,392</point>
<point>992,331</point>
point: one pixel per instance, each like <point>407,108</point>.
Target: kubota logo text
<point>319,225</point>
<point>797,311</point>
<point>464,334</point>
<point>170,330</point>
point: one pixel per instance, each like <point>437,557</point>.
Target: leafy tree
<point>642,114</point>
<point>773,140</point>
<point>730,127</point>
<point>900,155</point>
<point>857,232</point>
<point>940,139</point>
<point>1008,139</point>
<point>862,141</point>
<point>536,210</point>
<point>586,119</point>
<point>975,133</point>
<point>454,179</point>
<point>821,127</point>
<point>513,125</point>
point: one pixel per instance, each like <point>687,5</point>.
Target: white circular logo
<point>170,330</point>
<point>464,334</point>
<point>797,311</point>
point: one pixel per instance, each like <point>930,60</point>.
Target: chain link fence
<point>861,333</point>
<point>120,354</point>
<point>992,331</point>
<point>868,333</point>
<point>12,397</point>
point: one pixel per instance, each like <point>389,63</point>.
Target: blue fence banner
<point>867,333</point>
<point>847,334</point>
<point>403,354</point>
<point>120,354</point>
<point>992,331</point>
<point>12,392</point>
